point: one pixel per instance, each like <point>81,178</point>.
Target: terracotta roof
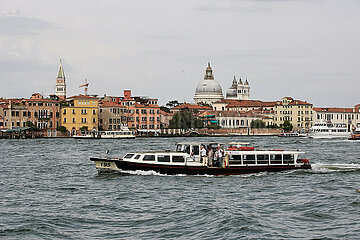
<point>145,106</point>
<point>110,104</point>
<point>191,106</point>
<point>251,103</point>
<point>298,102</point>
<point>336,110</point>
<point>165,113</point>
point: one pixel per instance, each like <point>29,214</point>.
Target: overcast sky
<point>307,49</point>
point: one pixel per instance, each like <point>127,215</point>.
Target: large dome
<point>208,90</point>
<point>206,87</point>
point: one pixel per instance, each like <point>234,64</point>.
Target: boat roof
<point>239,143</point>
<point>199,143</point>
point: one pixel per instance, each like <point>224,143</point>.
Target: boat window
<point>163,158</point>
<point>129,155</point>
<point>275,159</point>
<point>149,158</point>
<point>235,159</point>
<point>288,158</point>
<point>263,159</point>
<point>196,150</point>
<point>137,156</point>
<point>178,148</point>
<point>178,159</point>
<point>187,149</point>
<point>249,159</point>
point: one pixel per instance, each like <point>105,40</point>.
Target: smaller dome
<point>232,91</point>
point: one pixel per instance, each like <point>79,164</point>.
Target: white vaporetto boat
<point>186,159</point>
<point>124,133</point>
<point>328,130</point>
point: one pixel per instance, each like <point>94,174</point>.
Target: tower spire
<point>60,86</point>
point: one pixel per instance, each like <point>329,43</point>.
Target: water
<point>50,190</point>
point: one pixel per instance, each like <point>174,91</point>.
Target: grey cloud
<point>17,25</point>
<point>17,64</point>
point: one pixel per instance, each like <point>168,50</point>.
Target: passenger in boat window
<point>192,156</point>
<point>210,155</point>
<point>202,154</point>
<point>187,149</point>
<point>196,150</point>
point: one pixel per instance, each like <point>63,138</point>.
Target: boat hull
<point>109,165</point>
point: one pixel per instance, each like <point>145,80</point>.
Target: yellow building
<point>299,113</point>
<point>80,111</point>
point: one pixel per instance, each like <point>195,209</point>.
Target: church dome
<point>208,90</point>
<point>208,87</point>
<point>232,91</point>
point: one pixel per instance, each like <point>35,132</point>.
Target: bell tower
<point>60,86</point>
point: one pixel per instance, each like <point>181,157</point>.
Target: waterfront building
<point>208,90</point>
<point>144,116</point>
<point>165,118</point>
<point>80,111</point>
<point>1,121</point>
<point>233,119</point>
<point>60,86</point>
<point>112,115</point>
<point>238,90</point>
<point>298,113</point>
<point>43,113</point>
<point>243,105</point>
<point>349,116</point>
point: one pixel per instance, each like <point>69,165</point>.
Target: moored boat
<point>123,133</point>
<point>328,130</point>
<point>291,134</point>
<point>238,159</point>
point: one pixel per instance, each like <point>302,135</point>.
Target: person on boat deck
<point>210,156</point>
<point>192,156</point>
<point>220,156</point>
<point>202,153</point>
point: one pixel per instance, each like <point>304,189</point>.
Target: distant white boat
<point>328,130</point>
<point>291,134</point>
<point>124,133</point>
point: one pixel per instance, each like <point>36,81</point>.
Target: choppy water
<point>50,190</point>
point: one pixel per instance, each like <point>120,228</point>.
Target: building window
<point>64,112</point>
<point>73,120</point>
<point>94,111</point>
<point>64,120</point>
<point>94,121</point>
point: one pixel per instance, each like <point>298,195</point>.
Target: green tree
<point>287,126</point>
<point>273,126</point>
<point>61,129</point>
<point>185,119</point>
<point>165,109</point>
<point>173,103</point>
<point>257,124</point>
<point>84,128</point>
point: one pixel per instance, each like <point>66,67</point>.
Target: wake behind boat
<point>218,159</point>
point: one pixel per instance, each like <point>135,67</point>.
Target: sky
<point>306,49</point>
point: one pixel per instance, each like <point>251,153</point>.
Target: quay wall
<point>222,132</point>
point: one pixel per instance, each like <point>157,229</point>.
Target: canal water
<point>49,189</point>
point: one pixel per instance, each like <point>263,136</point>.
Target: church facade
<point>239,90</point>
